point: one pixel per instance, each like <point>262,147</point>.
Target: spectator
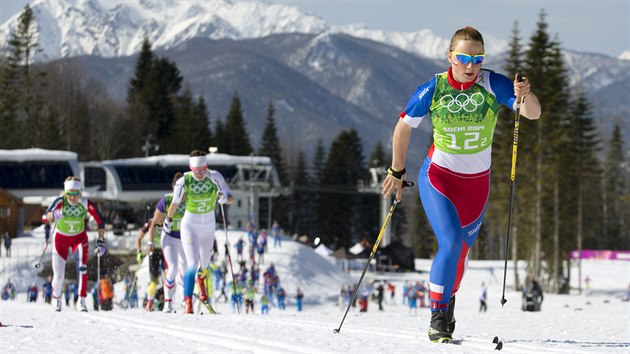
<point>32,293</point>
<point>587,286</point>
<point>380,294</point>
<point>47,290</point>
<point>106,294</point>
<point>7,243</point>
<point>260,248</point>
<point>391,288</point>
<point>264,304</point>
<point>363,301</point>
<point>298,299</point>
<point>281,296</point>
<point>239,249</point>
<point>275,230</point>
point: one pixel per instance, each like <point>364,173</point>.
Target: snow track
<point>220,341</point>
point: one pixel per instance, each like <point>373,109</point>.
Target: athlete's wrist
<point>397,174</point>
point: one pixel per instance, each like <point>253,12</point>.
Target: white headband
<point>71,185</point>
<point>198,161</point>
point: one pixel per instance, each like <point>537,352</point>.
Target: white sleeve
<point>178,191</point>
<point>217,178</point>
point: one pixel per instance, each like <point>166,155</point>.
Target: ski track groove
<point>473,342</point>
<point>228,342</point>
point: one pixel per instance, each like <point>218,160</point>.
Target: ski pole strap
<point>396,174</point>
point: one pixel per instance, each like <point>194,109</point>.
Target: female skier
<point>70,212</point>
<point>462,104</point>
<point>202,188</point>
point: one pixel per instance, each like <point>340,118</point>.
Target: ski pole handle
<point>519,99</point>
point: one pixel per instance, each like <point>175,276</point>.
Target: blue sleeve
<point>420,102</point>
<point>503,89</point>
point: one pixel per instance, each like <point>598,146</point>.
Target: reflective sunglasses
<point>467,58</point>
<point>73,194</point>
<point>198,169</point>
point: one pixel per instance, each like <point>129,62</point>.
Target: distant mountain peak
<point>113,28</point>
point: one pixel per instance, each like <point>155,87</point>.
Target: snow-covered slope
<point>574,323</point>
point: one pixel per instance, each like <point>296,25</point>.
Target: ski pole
<point>227,253</point>
<point>374,248</point>
<point>52,234</point>
<point>517,117</point>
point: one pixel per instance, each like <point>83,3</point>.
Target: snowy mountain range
<point>331,77</point>
<point>115,28</point>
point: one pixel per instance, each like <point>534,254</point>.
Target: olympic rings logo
<point>73,212</point>
<point>462,101</point>
<point>181,208</point>
<point>200,188</point>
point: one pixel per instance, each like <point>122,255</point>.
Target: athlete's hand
<point>57,214</point>
<point>139,256</point>
<point>391,184</point>
<point>101,248</point>
<point>223,198</point>
<point>150,247</point>
<point>167,228</point>
<point>521,88</point>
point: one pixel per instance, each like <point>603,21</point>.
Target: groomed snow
<point>598,323</point>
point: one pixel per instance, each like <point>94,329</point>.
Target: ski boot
<point>203,294</point>
<point>189,305</point>
<point>57,304</point>
<point>438,330</point>
<point>451,315</point>
<point>168,306</point>
<point>149,306</point>
<point>82,306</point>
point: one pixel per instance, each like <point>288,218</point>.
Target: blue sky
<point>599,26</point>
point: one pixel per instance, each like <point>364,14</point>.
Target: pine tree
<point>236,137</point>
<point>9,98</point>
<point>270,145</point>
<point>151,101</point>
<point>318,161</point>
<point>377,159</point>
<point>137,125</point>
<point>316,184</point>
<point>539,211</point>
<point>218,138</point>
<point>617,196</point>
<point>191,129</point>
<point>339,201</point>
<point>495,221</point>
<point>301,199</point>
<point>21,105</point>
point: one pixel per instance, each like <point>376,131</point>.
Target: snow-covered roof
<point>178,160</point>
<point>21,155</point>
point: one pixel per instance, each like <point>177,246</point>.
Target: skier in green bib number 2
<point>203,188</point>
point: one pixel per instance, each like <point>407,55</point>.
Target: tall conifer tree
<point>236,139</point>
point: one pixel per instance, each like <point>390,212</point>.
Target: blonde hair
<point>72,178</point>
<point>465,34</point>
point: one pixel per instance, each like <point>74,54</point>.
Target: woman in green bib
<point>202,188</point>
<point>462,105</point>
<point>70,212</point>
